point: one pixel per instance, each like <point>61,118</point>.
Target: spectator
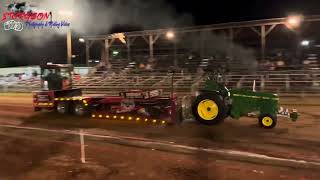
<point>149,67</point>
<point>105,74</point>
<point>23,76</point>
<point>35,73</point>
<point>142,66</point>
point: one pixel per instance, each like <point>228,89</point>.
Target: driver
<point>54,80</point>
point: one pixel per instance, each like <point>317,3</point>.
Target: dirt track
<point>299,140</point>
<point>56,159</point>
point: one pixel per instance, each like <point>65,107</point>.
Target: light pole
<point>69,46</point>
<point>294,23</point>
<point>82,42</point>
<point>171,36</point>
<point>69,15</point>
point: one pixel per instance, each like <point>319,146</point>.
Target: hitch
<point>293,114</point>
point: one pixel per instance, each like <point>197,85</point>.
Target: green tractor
<point>216,102</point>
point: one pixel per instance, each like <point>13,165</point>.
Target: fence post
<point>287,82</point>
<point>239,83</point>
<point>83,155</point>
<point>262,80</point>
<point>5,88</point>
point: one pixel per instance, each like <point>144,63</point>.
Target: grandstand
<point>236,45</point>
<point>147,58</point>
<point>285,83</point>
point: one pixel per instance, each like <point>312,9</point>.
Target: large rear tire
<point>36,109</point>
<point>79,109</point>
<point>209,109</point>
<point>153,111</point>
<point>62,107</point>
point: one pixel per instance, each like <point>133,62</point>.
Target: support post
<point>128,49</point>
<point>87,52</point>
<point>69,47</point>
<point>175,54</point>
<point>287,82</point>
<point>231,37</point>
<point>151,47</point>
<point>263,41</point>
<point>107,53</point>
<point>83,155</point>
<point>298,46</point>
<point>263,35</point>
<point>103,54</point>
<point>202,45</point>
<point>262,83</point>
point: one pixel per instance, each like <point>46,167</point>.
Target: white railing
<point>184,83</point>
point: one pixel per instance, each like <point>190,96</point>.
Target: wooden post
<point>87,52</point>
<point>107,53</point>
<point>175,54</point>
<point>151,47</point>
<point>69,47</point>
<point>263,42</point>
<point>128,49</point>
<point>83,155</point>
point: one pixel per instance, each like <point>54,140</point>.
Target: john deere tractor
<point>216,102</point>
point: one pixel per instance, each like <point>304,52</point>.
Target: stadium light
<point>170,35</point>
<point>82,40</point>
<point>294,21</point>
<point>68,15</point>
<point>305,43</point>
<point>115,53</point>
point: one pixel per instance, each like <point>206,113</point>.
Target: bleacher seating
<point>281,82</point>
<point>127,81</point>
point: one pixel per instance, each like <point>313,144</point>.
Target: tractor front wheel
<point>267,121</point>
<point>209,109</point>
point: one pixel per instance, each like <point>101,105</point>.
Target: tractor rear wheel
<point>209,109</point>
<point>62,107</point>
<point>80,109</point>
<point>153,111</point>
<point>267,121</point>
<point>36,109</point>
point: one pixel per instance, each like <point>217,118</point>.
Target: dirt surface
<point>36,155</point>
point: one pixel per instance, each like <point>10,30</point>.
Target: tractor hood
<point>211,85</point>
<point>254,95</point>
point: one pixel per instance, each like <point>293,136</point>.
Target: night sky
<point>204,12</point>
<point>217,11</point>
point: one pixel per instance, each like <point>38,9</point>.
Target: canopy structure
<point>262,28</point>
